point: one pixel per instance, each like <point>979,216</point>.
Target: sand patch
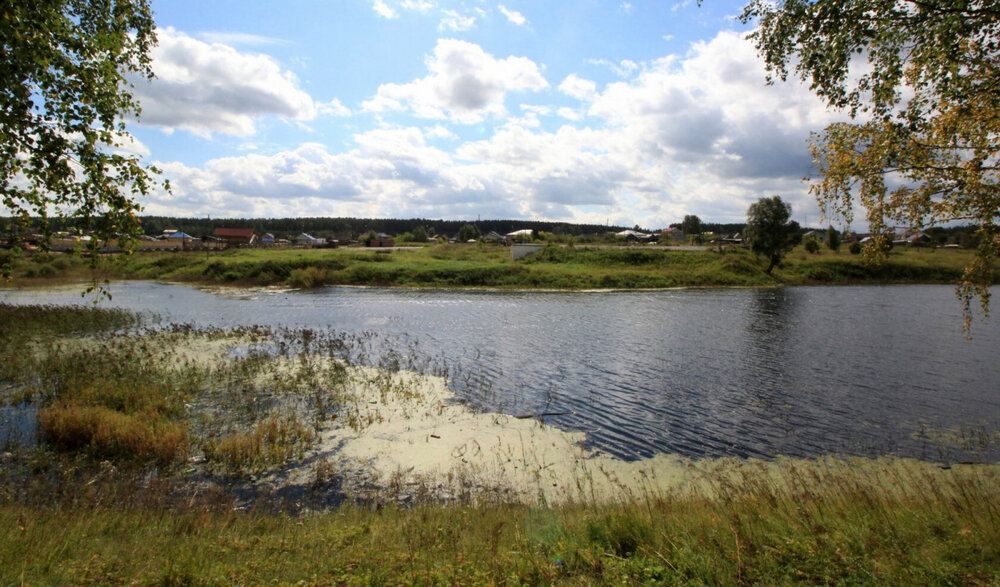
<point>401,437</point>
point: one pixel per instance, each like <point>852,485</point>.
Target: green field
<point>472,266</point>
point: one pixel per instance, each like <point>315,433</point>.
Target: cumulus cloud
<point>213,88</point>
<point>577,87</point>
<point>384,10</point>
<point>465,84</point>
<point>455,21</point>
<point>333,108</point>
<point>417,5</point>
<point>624,68</point>
<point>513,16</point>
<point>700,134</point>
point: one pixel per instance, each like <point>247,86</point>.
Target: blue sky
<point>585,111</point>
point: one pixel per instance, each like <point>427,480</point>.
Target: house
<point>236,236</point>
<point>182,240</point>
<point>920,239</point>
<point>819,235</point>
<point>519,236</point>
<point>634,235</point>
<point>380,240</point>
<point>308,240</point>
<point>494,237</point>
<point>672,232</point>
<point>267,238</point>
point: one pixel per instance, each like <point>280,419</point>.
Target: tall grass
<point>776,531</point>
<point>157,396</point>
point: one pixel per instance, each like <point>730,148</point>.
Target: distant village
<point>188,235</point>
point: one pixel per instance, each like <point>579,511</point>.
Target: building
<point>308,240</point>
<point>380,240</point>
<point>519,236</point>
<point>634,235</point>
<point>236,236</point>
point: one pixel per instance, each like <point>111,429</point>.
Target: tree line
<point>351,228</point>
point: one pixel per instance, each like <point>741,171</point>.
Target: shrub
<point>855,248</point>
<point>107,433</point>
<point>812,245</point>
<point>307,277</point>
<point>271,442</point>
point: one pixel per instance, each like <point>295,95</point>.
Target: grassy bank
<point>838,532</point>
<point>466,265</point>
<point>184,456</point>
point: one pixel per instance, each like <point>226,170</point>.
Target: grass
<point>148,397</point>
<point>839,532</point>
<point>470,265</point>
<point>109,496</point>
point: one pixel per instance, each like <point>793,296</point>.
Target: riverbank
<point>839,532</point>
<point>471,266</point>
<point>254,455</point>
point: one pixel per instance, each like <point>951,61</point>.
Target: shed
<point>381,240</point>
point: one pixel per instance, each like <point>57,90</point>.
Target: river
<point>798,371</point>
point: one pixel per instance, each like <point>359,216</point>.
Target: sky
<point>585,111</point>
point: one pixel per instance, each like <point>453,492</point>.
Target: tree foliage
<point>770,230</point>
<point>467,232</point>
<point>921,81</point>
<point>832,238</point>
<point>64,98</point>
<point>691,225</point>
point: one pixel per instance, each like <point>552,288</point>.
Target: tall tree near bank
<point>64,98</point>
<point>770,230</point>
<point>832,238</point>
<point>921,81</point>
<point>691,225</point>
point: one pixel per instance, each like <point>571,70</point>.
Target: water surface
<point>799,371</point>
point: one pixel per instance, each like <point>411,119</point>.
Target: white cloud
<point>439,132</point>
<point>213,88</point>
<point>123,144</point>
<point>513,16</point>
<point>570,114</point>
<point>235,38</point>
<point>464,84</point>
<point>536,110</point>
<point>577,87</point>
<point>623,68</point>
<point>417,5</point>
<point>453,21</point>
<point>384,10</point>
<point>333,108</point>
<point>699,135</point>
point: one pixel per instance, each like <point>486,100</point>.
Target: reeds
<point>105,499</point>
<point>778,532</point>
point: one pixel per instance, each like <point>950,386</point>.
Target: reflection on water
<point>748,372</point>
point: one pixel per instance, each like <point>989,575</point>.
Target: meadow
<point>169,454</point>
<point>490,266</point>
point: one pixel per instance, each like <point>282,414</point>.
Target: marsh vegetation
<point>170,453</point>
